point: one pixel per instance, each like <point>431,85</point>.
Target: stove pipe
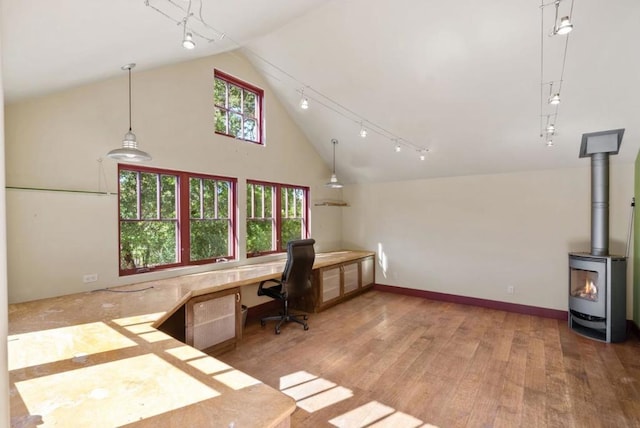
<point>599,146</point>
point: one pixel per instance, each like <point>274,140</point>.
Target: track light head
<point>188,42</point>
<point>565,26</point>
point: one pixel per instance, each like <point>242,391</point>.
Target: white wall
<point>4,323</point>
<point>56,141</point>
<point>475,236</point>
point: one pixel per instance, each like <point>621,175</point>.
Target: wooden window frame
<point>183,218</point>
<point>276,210</point>
<point>258,92</point>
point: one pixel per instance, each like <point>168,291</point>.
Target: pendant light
<point>129,151</point>
<point>333,181</point>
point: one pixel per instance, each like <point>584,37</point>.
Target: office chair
<point>295,281</point>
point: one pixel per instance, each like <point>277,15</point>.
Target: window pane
<point>194,197</point>
<point>259,235</point>
<point>223,190</point>
<point>258,195</point>
<point>168,197</point>
<point>249,104</point>
<point>250,130</point>
<point>147,243</point>
<point>221,121</point>
<point>220,93</point>
<point>268,201</point>
<point>128,195</point>
<point>209,198</point>
<point>235,98</point>
<point>209,239</point>
<point>235,125</point>
<point>149,195</point>
<point>291,229</point>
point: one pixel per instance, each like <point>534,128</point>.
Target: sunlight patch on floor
<point>308,389</point>
<point>294,379</point>
<point>325,399</point>
<point>235,379</point>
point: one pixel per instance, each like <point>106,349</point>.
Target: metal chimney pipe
<point>600,204</point>
<point>599,146</point>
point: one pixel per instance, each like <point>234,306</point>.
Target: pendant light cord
<point>129,99</point>
<point>334,155</point>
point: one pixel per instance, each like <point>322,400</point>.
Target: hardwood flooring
<point>384,359</point>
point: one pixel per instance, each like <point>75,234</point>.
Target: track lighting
<point>549,142</point>
<point>363,131</point>
<point>554,99</point>
<point>304,102</point>
<point>398,148</point>
<point>423,154</point>
<point>333,181</point>
<point>129,151</point>
<point>551,129</point>
<point>188,42</point>
<point>565,26</point>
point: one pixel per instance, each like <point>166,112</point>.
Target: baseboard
<point>474,301</point>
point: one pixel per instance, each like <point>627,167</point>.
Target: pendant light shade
<point>333,181</point>
<point>129,151</point>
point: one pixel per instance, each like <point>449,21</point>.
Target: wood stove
<point>597,280</point>
<point>597,296</point>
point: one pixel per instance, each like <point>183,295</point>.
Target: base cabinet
<point>211,323</point>
<point>337,283</point>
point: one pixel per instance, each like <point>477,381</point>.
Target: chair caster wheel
<point>305,317</point>
<point>277,331</point>
<point>306,327</point>
<point>262,323</point>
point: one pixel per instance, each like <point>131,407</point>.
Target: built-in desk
<point>96,359</point>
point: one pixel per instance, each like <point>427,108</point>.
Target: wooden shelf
<point>331,204</point>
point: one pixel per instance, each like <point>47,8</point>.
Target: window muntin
<point>276,214</point>
<point>238,108</point>
<point>173,218</point>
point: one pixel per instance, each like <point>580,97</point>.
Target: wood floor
<point>402,361</point>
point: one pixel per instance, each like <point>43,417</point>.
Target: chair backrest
<point>296,277</point>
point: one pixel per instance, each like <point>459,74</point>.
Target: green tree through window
<point>238,108</point>
<point>155,233</point>
<point>276,214</point>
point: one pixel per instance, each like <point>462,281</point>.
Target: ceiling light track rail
<point>561,27</point>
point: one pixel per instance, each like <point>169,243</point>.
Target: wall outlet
<point>91,277</point>
<point>510,289</point>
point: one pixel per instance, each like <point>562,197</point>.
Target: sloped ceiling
<point>461,79</point>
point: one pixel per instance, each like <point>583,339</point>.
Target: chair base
<point>286,318</point>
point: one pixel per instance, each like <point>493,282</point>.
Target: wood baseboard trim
<point>474,301</point>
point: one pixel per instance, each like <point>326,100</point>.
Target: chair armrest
<point>260,293</point>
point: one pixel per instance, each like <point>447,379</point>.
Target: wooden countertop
<point>95,359</point>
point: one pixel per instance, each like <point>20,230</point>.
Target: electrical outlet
<point>510,289</point>
<point>91,277</point>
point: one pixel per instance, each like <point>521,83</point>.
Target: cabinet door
<point>213,319</point>
<point>330,283</point>
<point>367,272</point>
<point>351,277</point>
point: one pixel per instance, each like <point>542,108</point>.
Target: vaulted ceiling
<point>461,79</point>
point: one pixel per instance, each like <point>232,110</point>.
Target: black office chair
<point>295,281</point>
